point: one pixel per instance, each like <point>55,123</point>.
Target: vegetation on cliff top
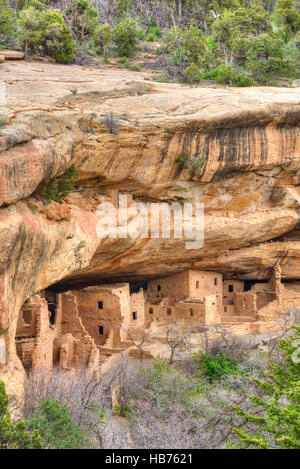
<point>234,42</point>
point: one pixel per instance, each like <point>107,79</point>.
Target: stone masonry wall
<point>42,355</point>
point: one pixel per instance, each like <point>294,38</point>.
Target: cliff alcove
<point>249,185</point>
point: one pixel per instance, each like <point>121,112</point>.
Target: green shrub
<point>124,411</point>
<point>154,33</point>
<point>292,49</point>
<point>134,67</point>
<point>192,73</point>
<point>211,43</point>
<point>7,20</point>
<point>91,48</point>
<point>210,75</point>
<point>103,36</point>
<point>265,58</point>
<point>286,18</point>
<point>190,162</point>
<point>125,36</point>
<point>184,46</point>
<point>56,426</point>
<point>215,367</point>
<point>14,436</point>
<point>57,37</point>
<point>155,372</point>
<point>225,75</point>
<point>60,186</point>
<point>141,34</point>
<point>44,30</point>
<point>242,80</point>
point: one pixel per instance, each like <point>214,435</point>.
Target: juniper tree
<point>277,425</point>
<point>15,436</point>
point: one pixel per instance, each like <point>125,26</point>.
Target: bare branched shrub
<point>138,337</point>
<point>112,123</point>
<point>177,338</point>
<point>285,322</point>
<point>216,339</point>
<point>88,399</point>
<point>175,410</point>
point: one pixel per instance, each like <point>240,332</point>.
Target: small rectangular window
<point>197,284</point>
<point>150,310</point>
<point>230,288</point>
<point>134,315</point>
<point>169,311</point>
<point>191,312</point>
<point>159,287</point>
<point>100,304</point>
<point>100,328</point>
<point>216,281</point>
<point>27,317</point>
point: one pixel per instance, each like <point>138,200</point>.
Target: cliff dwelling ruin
<point>81,328</point>
<point>68,297</point>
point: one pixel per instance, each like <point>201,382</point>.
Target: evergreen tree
<point>7,19</point>
<point>103,36</point>
<point>265,58</point>
<point>279,426</point>
<point>286,18</point>
<point>43,30</point>
<point>125,36</point>
<point>56,426</point>
<point>14,436</point>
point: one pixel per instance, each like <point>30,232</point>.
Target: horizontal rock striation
<point>249,184</point>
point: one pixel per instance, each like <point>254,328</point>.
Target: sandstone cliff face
<point>249,184</point>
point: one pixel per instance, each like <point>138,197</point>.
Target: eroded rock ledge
<point>250,186</point>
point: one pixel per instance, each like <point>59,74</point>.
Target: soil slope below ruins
<point>250,182</point>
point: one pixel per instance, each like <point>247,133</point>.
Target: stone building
<point>102,310</point>
<point>35,335</point>
<point>81,328</point>
<point>192,295</point>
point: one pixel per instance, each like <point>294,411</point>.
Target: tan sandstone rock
<point>57,212</point>
<point>12,54</point>
<point>249,183</point>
